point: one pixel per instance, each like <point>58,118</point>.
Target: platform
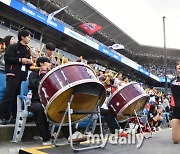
<point>6,132</point>
<point>160,143</point>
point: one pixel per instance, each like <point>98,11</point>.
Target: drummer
<point>36,106</point>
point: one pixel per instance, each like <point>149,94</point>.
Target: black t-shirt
<point>11,57</point>
<point>175,89</point>
<point>34,80</point>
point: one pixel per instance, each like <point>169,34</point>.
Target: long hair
<point>6,40</point>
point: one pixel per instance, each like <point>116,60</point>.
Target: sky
<point>142,20</point>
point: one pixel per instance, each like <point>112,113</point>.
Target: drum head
<point>137,105</point>
<point>86,97</point>
<point>59,84</point>
<point>127,99</point>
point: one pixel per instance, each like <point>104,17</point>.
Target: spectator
<point>166,109</point>
<point>80,59</point>
<point>50,47</point>
<point>8,40</point>
<point>17,63</point>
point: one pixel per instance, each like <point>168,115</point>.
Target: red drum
<point>58,85</point>
<point>126,99</point>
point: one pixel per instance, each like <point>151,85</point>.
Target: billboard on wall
<point>7,2</point>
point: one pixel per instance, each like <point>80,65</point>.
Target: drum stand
<point>139,124</point>
<point>69,112</point>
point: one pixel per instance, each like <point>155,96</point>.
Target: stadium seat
<point>2,85</point>
<point>85,122</point>
<point>90,124</point>
<point>22,112</point>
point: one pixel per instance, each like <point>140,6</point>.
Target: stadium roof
<point>79,11</point>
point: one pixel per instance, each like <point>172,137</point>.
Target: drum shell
<point>126,99</point>
<point>59,84</point>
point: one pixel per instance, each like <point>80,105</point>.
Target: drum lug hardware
<point>45,94</point>
<point>113,108</point>
<point>117,103</point>
<point>122,96</point>
<point>89,73</point>
<point>64,76</point>
<point>71,111</point>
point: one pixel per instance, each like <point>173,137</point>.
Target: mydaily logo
<point>132,138</point>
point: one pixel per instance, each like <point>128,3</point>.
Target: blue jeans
<point>165,118</point>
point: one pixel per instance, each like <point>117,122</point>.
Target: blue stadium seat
<point>23,95</point>
<point>85,122</point>
<point>90,123</point>
<point>22,112</point>
<point>24,88</point>
<point>2,85</point>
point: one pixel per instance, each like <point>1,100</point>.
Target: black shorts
<point>176,113</point>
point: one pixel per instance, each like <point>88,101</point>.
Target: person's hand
<point>26,61</point>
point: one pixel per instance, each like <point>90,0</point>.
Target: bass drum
<point>126,99</point>
<point>58,85</point>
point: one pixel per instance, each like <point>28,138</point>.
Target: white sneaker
<point>74,135</point>
<point>47,143</point>
<point>37,138</point>
<point>158,129</point>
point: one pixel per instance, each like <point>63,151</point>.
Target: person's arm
<point>35,78</point>
<point>33,81</point>
<point>10,57</point>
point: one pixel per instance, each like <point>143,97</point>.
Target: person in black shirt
<point>17,62</point>
<point>8,40</point>
<point>36,107</point>
<point>175,89</point>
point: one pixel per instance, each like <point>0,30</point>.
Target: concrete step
<point>6,132</point>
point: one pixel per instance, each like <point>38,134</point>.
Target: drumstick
<point>33,68</point>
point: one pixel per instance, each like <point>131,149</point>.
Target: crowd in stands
<point>160,70</point>
<point>157,110</point>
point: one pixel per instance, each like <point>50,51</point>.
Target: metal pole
<point>165,55</point>
<point>41,39</point>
